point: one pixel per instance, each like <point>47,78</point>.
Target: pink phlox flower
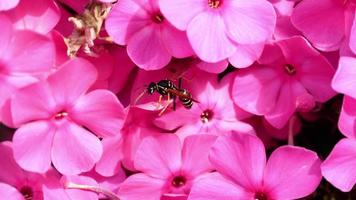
<point>51,116</point>
<point>151,40</point>
<point>291,76</point>
<point>243,173</point>
<point>168,169</point>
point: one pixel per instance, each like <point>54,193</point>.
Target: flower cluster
<point>175,99</point>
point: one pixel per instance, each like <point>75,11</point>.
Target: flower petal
<point>75,150</point>
<point>6,33</point>
<point>292,173</point>
<point>241,158</point>
<point>347,119</point>
<point>9,192</point>
<point>8,4</point>
<point>32,146</point>
<point>159,157</point>
<point>246,55</point>
<point>344,80</point>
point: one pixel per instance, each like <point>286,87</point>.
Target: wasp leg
<point>167,104</point>
<point>174,102</point>
<point>159,103</point>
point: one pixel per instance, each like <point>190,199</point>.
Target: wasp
<point>87,27</point>
<point>168,88</point>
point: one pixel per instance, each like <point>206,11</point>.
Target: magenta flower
<point>168,169</point>
<point>51,116</point>
<point>291,77</point>
<point>217,28</point>
<point>323,22</point>
<point>23,56</point>
<point>17,184</point>
<point>214,114</point>
<point>243,173</point>
<point>151,40</point>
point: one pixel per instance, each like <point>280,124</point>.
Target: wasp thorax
<point>206,116</point>
<point>27,192</point>
<point>179,181</point>
<point>60,115</point>
<point>157,18</point>
<point>214,3</point>
<point>290,69</point>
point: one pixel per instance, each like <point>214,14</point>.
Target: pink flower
<point>291,77</point>
<point>214,113</point>
<point>217,29</point>
<point>17,184</point>
<point>151,40</point>
<point>51,116</point>
<point>323,22</point>
<point>23,56</point>
<point>168,169</point>
<point>243,173</point>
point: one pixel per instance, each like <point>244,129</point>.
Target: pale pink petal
<point>241,158</point>
<point>195,154</point>
<point>190,129</point>
<point>352,42</point>
<point>322,22</point>
<point>75,150</point>
<point>215,187</point>
<point>9,192</point>
<point>249,22</point>
<point>159,157</point>
<point>110,162</point>
<point>65,84</point>
<point>292,173</point>
<point>32,103</point>
<point>10,172</point>
<point>147,50</point>
<point>77,193</point>
<point>54,193</point>
<point>41,18</point>
<point>125,19</point>
<point>344,80</point>
<point>8,4</point>
<point>265,83</point>
<point>207,35</point>
<point>339,168</point>
<point>176,41</point>
<point>6,34</point>
<point>32,146</point>
<point>176,119</point>
<point>246,55</point>
<point>100,111</point>
<point>213,67</point>
<point>181,12</point>
<point>347,119</point>
<point>141,186</point>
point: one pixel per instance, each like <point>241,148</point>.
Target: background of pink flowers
<point>273,83</point>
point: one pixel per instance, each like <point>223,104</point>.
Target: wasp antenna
<point>139,97</point>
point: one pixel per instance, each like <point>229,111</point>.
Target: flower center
<point>214,3</point>
<point>260,196</point>
<point>27,192</point>
<point>206,116</point>
<point>179,181</point>
<point>157,18</point>
<point>290,69</point>
<point>60,115</point>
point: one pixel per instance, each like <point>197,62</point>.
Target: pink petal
<point>181,12</point>
<point>6,34</point>
<point>215,68</point>
<point>207,35</point>
<point>10,172</point>
<point>54,193</point>
<point>352,42</point>
<point>339,168</point>
<point>322,22</point>
<point>195,154</point>
<point>32,146</point>
<point>64,83</point>
<point>77,193</point>
<point>292,173</point>
<point>249,22</point>
<point>241,158</point>
<point>246,55</point>
<point>125,19</point>
<point>159,157</point>
<point>75,150</point>
<point>215,187</point>
<point>147,50</point>
<point>8,4</point>
<point>41,18</point>
<point>9,192</point>
<point>100,111</point>
<point>32,103</point>
<point>347,119</point>
<point>110,162</point>
<point>176,41</point>
<point>140,186</point>
<point>344,80</point>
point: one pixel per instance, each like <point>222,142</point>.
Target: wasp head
<point>152,87</point>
